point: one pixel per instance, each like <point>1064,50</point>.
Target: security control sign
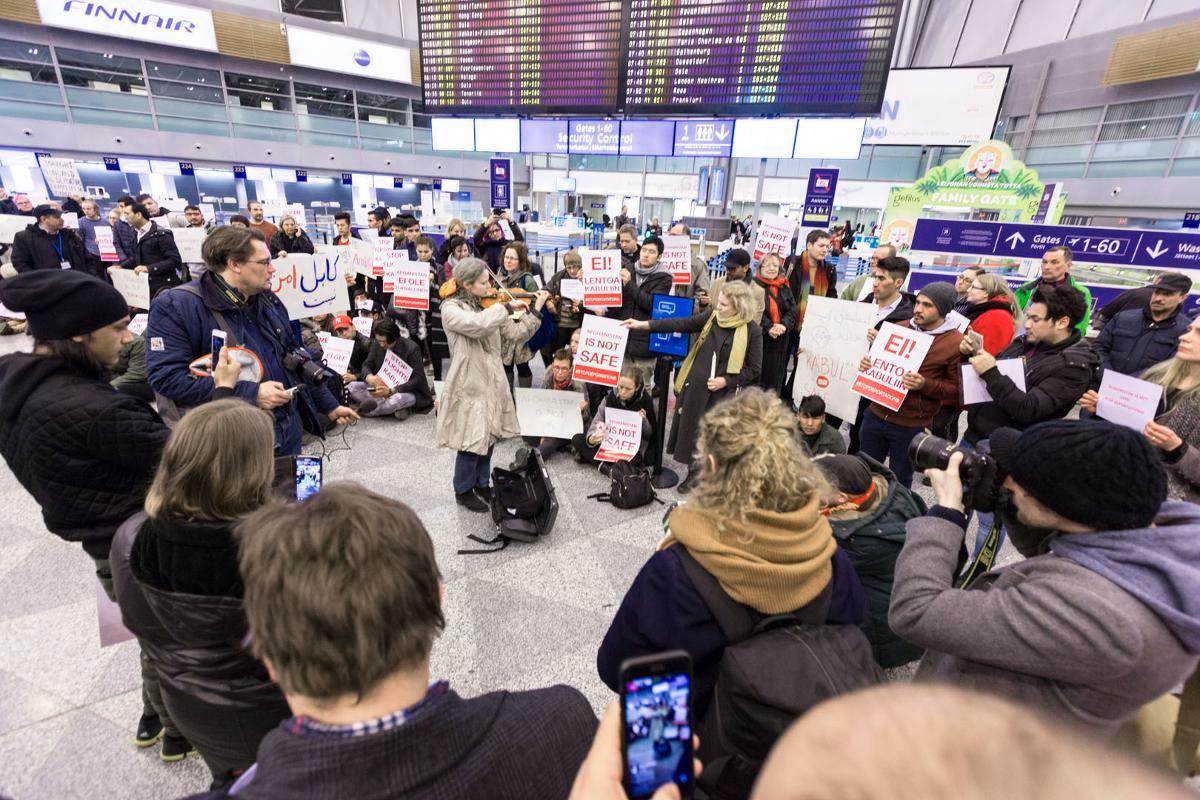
<point>1120,246</point>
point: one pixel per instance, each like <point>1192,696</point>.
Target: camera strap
<point>987,556</point>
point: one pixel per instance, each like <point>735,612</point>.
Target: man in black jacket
<point>639,284</point>
<point>355,668</point>
<point>45,245</point>
<point>1139,338</point>
<point>375,397</point>
<point>155,252</point>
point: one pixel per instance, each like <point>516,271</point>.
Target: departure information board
<point>520,56</point>
<point>752,57</point>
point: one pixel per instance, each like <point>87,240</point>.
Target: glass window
<point>101,71</point>
<point>179,72</point>
<point>187,91</point>
<point>1144,129</point>
<point>251,91</point>
<point>26,62</point>
<point>1145,109</point>
<point>185,83</point>
<point>105,62</point>
<point>383,109</point>
<point>324,101</point>
<point>324,10</point>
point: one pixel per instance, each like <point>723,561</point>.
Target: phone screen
<point>656,717</point>
<point>308,477</point>
<point>218,342</point>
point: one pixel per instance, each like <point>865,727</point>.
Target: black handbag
<point>631,487</point>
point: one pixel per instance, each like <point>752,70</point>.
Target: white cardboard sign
<point>104,242</point>
<point>677,259</point>
<point>601,351</point>
<point>61,176</point>
<point>133,287</point>
<point>1128,401</point>
<point>394,371</point>
<point>337,352</point>
<point>310,285</point>
<point>774,236</point>
<point>546,412</point>
<point>622,435</point>
<point>410,285</point>
<point>601,278</point>
<point>572,289</point>
<point>11,225</point>
<point>832,342</point>
<point>137,325</point>
<point>896,351</point>
<point>974,390</point>
<point>189,240</point>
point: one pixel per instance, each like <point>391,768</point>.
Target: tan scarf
<point>773,562</point>
<point>737,353</point>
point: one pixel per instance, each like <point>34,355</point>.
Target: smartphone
<point>656,723</point>
<point>218,342</point>
<point>308,476</point>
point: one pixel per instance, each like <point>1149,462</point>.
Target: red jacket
<point>995,325</point>
<point>940,369</point>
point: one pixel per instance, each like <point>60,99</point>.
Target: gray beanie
<point>941,294</point>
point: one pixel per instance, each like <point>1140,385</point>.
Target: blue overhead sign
<point>187,168</point>
<point>711,137</point>
<point>112,163</point>
<point>1191,219</point>
<point>1119,246</point>
<point>818,201</point>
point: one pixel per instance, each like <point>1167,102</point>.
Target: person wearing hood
<point>755,525</point>
<point>175,566</point>
<point>886,434</point>
<point>1103,614</point>
<point>1059,364</point>
<point>85,451</point>
<point>639,283</point>
<point>868,509</point>
<point>725,358</point>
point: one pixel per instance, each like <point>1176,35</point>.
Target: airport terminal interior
<point>963,137</point>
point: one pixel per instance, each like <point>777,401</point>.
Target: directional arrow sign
<point>1120,246</point>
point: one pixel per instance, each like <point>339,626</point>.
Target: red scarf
<point>561,386</point>
<point>811,282</point>
<point>772,287</point>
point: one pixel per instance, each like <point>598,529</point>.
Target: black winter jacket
<point>84,451</point>
<point>410,353</point>
<point>1056,376</point>
<point>1132,341</point>
<point>300,243</point>
<point>637,302</point>
<point>33,248</point>
<point>158,252</point>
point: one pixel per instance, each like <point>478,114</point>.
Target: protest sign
<point>70,220</point>
<point>601,351</point>
<point>337,352</point>
<point>958,321</point>
<point>189,240</point>
<point>104,241</point>
<point>390,261</point>
<point>896,351</point>
<point>133,287</point>
<point>410,284</point>
<point>507,230</point>
<point>309,284</point>
<point>601,278</point>
<point>974,390</point>
<point>622,435</point>
<point>832,343</point>
<point>395,371</point>
<point>774,236</point>
<point>364,325</point>
<point>1127,401</point>
<point>546,412</point>
<point>61,176</point>
<point>11,225</point>
<point>384,253</point>
<point>677,259</point>
<point>137,325</point>
<point>571,289</point>
<point>357,257</point>
<point>296,212</point>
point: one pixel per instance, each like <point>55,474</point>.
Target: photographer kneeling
<point>234,294</point>
<point>1102,615</point>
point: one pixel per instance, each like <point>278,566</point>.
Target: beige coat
<point>476,408</point>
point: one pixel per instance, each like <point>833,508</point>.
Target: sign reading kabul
<point>1121,246</point>
<point>987,176</point>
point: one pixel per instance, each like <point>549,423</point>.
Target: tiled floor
<point>530,616</point>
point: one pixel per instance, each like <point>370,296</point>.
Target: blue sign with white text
<point>500,172</point>
<point>112,163</point>
<point>704,137</point>
<point>239,171</point>
<point>301,176</point>
<point>665,306</point>
<point>818,200</point>
<point>187,168</point>
<point>1191,219</point>
<point>347,179</point>
<point>1121,246</point>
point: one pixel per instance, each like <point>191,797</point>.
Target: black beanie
<point>941,294</point>
<point>1093,472</point>
<point>848,474</point>
<point>61,303</point>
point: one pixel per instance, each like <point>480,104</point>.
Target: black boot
<point>470,501</point>
<point>689,482</point>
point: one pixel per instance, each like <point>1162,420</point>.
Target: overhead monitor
<point>764,138</point>
<point>828,138</point>
<point>453,134</point>
<point>950,106</point>
<point>738,57</point>
<point>511,57</point>
<point>544,136</point>
<point>647,137</point>
<point>498,135</point>
<point>564,184</point>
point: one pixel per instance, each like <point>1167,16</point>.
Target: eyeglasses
<point>262,262</point>
<point>977,287</point>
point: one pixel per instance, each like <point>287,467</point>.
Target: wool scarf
<point>774,562</point>
<point>772,286</point>
<point>737,353</point>
<point>812,280</point>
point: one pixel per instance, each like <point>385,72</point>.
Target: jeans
<point>359,393</point>
<point>985,518</point>
<point>885,440</point>
<point>152,702</point>
<point>472,470</point>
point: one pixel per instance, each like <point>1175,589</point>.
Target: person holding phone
<point>177,583</point>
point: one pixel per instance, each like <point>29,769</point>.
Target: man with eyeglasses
<point>1059,364</point>
<point>235,295</point>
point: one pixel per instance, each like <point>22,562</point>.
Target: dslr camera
<point>981,475</point>
<point>311,372</point>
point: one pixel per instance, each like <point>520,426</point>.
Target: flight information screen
<point>520,56</point>
<point>739,57</point>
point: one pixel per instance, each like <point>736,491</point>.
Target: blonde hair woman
<point>178,585</point>
<point>755,525</point>
<point>724,357</point>
<point>476,406</point>
<point>993,313</point>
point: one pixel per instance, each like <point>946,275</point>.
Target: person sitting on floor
<point>628,395</point>
<point>374,396</point>
<point>557,378</point>
<point>817,435</point>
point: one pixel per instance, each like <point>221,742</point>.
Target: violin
<point>503,294</point>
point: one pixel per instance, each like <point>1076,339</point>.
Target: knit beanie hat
<point>848,474</point>
<point>1093,472</point>
<point>941,294</point>
<point>61,303</point>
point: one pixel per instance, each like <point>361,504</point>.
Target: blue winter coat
<point>1132,341</point>
<point>180,330</point>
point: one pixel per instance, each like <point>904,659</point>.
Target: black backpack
<point>771,673</point>
<point>631,487</point>
<point>523,504</point>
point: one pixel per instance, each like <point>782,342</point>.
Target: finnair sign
<point>145,20</point>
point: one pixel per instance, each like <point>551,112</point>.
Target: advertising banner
<point>818,200</point>
<point>500,172</point>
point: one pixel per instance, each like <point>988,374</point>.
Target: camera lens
<point>930,452</point>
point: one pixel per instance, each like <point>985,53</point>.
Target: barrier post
<point>662,477</point>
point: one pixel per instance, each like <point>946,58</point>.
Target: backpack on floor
<point>631,487</point>
<point>771,673</point>
<point>524,507</point>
